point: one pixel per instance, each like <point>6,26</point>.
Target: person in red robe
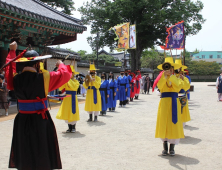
<point>137,88</point>
<point>132,86</point>
<point>34,142</point>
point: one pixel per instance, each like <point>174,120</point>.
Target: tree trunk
<point>135,57</point>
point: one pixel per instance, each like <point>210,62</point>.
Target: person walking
<point>132,86</point>
<point>93,104</point>
<point>123,85</point>
<point>104,92</point>
<point>112,94</point>
<point>169,125</point>
<point>69,109</point>
<point>147,84</point>
<point>34,141</point>
<point>219,87</point>
<point>138,79</point>
<point>4,104</point>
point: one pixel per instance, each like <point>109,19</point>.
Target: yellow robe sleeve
<point>178,83</point>
<point>97,82</point>
<point>76,85</point>
<point>63,87</point>
<point>161,82</point>
<point>186,85</point>
<point>85,86</point>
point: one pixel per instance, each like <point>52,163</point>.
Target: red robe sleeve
<point>62,76</point>
<point>10,70</point>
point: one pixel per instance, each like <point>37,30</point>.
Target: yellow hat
<point>179,62</point>
<point>170,61</point>
<point>73,69</point>
<point>92,67</point>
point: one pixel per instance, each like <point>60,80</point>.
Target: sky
<point>209,38</point>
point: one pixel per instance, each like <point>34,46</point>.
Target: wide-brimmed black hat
<point>32,55</point>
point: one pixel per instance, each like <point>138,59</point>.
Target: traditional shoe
<point>165,148</point>
<point>95,119</point>
<point>70,128</point>
<point>73,129</point>
<point>90,118</point>
<point>171,151</point>
<point>6,114</point>
<point>110,109</point>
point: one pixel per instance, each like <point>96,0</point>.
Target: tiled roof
<point>38,10</point>
<point>62,53</point>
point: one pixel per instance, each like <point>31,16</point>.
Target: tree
<point>204,68</point>
<point>151,19</point>
<point>66,5</point>
<point>82,52</point>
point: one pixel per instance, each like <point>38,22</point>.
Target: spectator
<point>3,95</point>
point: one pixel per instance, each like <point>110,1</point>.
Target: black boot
<point>70,128</point>
<point>165,148</point>
<point>172,152</point>
<point>73,128</point>
<point>110,109</point>
<point>104,112</point>
<point>113,109</point>
<point>95,119</point>
<point>127,101</point>
<point>101,113</point>
<point>90,118</point>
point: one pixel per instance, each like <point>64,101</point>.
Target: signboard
<point>118,64</point>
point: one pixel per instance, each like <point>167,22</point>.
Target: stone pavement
<point>125,139</point>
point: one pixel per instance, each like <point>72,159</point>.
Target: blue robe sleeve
<point>118,83</point>
<point>108,88</point>
<point>115,86</point>
<point>127,82</point>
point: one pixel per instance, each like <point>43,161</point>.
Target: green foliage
<point>196,51</point>
<point>204,68</point>
<point>82,52</point>
<point>151,18</point>
<point>151,59</point>
<point>66,5</point>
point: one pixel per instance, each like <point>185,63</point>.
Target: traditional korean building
<point>33,22</point>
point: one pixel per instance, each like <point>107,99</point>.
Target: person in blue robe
<point>104,92</point>
<point>187,76</point>
<point>127,74</point>
<point>123,84</point>
<point>113,92</point>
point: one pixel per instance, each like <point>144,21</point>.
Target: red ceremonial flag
<point>10,68</point>
<point>156,80</point>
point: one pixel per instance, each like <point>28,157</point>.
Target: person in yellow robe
<point>69,110</point>
<point>185,110</point>
<point>169,125</point>
<point>93,98</point>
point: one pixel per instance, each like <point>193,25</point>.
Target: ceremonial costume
<point>169,124</point>
<point>142,83</point>
<point>112,94</point>
<point>128,89</point>
<point>34,142</point>
<point>138,79</point>
<point>93,103</point>
<point>123,84</point>
<point>185,109</point>
<point>69,109</point>
<point>132,87</point>
<point>187,76</point>
<point>104,91</point>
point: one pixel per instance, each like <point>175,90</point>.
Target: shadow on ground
<point>73,135</point>
<point>106,116</point>
<point>179,160</point>
<point>190,140</point>
<point>98,123</point>
<point>191,128</point>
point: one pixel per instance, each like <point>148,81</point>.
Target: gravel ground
<point>125,139</point>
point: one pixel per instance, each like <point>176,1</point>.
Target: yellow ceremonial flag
<point>122,32</point>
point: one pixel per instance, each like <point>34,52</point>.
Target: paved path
<point>124,140</point>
